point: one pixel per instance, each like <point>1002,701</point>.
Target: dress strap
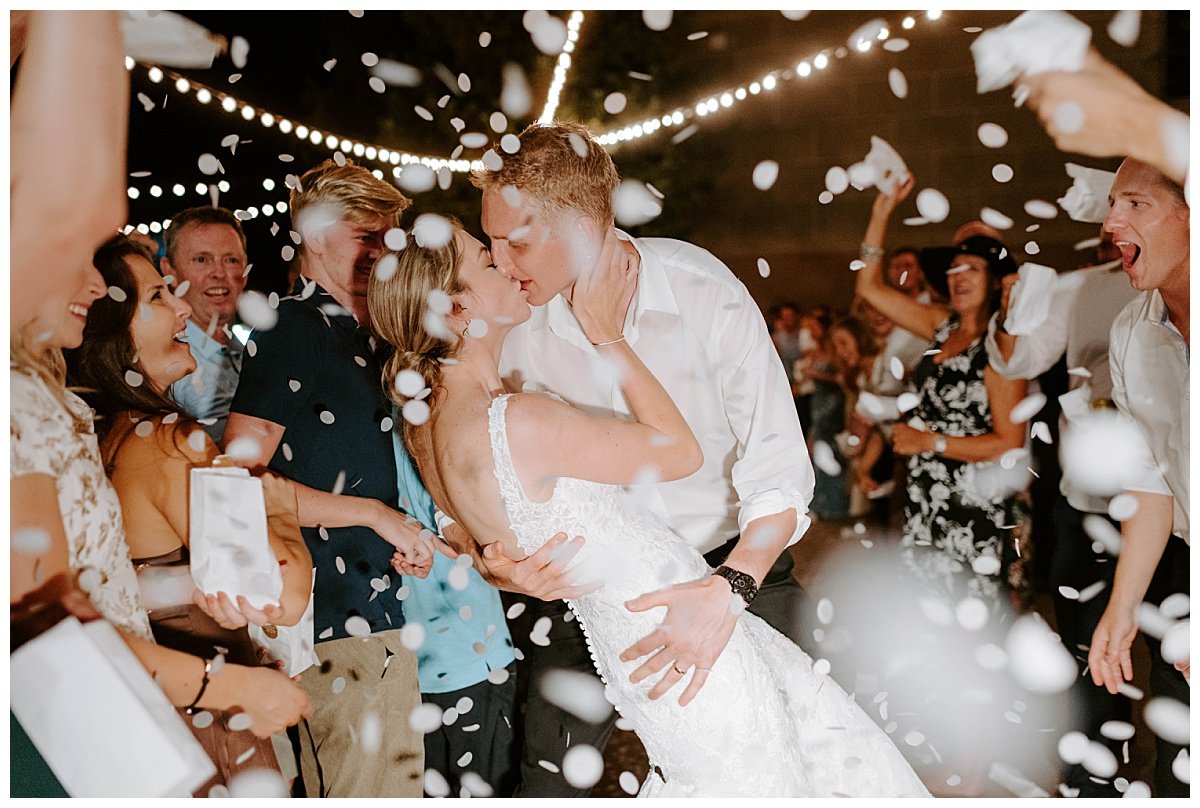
<point>515,502</point>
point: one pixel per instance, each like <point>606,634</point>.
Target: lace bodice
<point>765,724</point>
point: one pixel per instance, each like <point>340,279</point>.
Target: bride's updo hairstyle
<point>398,299</point>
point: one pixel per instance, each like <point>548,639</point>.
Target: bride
<point>520,467</point>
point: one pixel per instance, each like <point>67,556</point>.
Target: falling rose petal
<point>933,205</point>
<point>765,174</point>
<point>825,459</point>
<point>432,231</point>
<point>1117,730</point>
<point>287,253</point>
<point>239,49</point>
<point>995,218</point>
<point>1041,431</point>
<point>377,84</point>
<point>582,766</point>
<point>1181,768</point>
<point>516,99</point>
<point>898,83</point>
<point>907,401</point>
<point>485,39</point>
<point>1089,592</point>
<point>1037,657</point>
<point>896,45</point>
<point>825,611</point>
<point>1175,606</point>
<point>409,383</point>
<point>239,723</point>
<point>474,140</point>
<point>255,311</point>
<point>1123,507</point>
<point>836,180</point>
<point>329,65</point>
<point>147,104</point>
<point>415,412</point>
<point>1099,760</point>
<point>498,122</point>
<point>208,164</point>
<point>417,178</point>
<point>795,16</point>
<point>1100,450</point>
<point>356,14</point>
<point>1068,117</point>
<point>260,783</point>
<point>202,719</point>
<point>914,738</point>
<point>133,378</point>
<point>1032,248</point>
<point>397,74</point>
<point>628,780</point>
<point>992,135</point>
<point>549,35</point>
<point>580,694</point>
<point>1176,642</point>
<point>697,36</point>
<point>1125,27</point>
<point>634,205</point>
<point>435,784</point>
<point>31,541</point>
<point>896,367</point>
<point>1041,209</point>
<point>1069,592</point>
<point>657,20</point>
<point>862,175</point>
<point>492,161</point>
<point>764,268</point>
<point>327,417</point>
<point>1002,172</point>
<point>475,785</point>
<point>614,103</point>
<point>243,448</point>
<point>971,613</point>
<point>1027,408</point>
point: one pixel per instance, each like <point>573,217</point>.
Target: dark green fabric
<point>29,776</point>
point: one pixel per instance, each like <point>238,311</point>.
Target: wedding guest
<point>904,273</point>
<point>699,331</point>
<point>61,495</point>
<point>963,516</point>
<point>466,663</point>
<point>826,413</point>
<point>785,333</point>
<point>206,250</point>
<point>1086,302</point>
<point>150,471</point>
<point>857,353</point>
<point>1149,358</point>
<point>309,397</point>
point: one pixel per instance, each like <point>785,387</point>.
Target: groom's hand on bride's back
<point>542,575</point>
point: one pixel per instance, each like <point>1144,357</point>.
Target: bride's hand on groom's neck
<point>601,295</point>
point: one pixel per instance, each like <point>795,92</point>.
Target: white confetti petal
<point>549,35</point>
<point>765,174</point>
<point>474,140</point>
<point>1117,730</point>
<point>1037,657</point>
<point>1041,209</point>
<point>1068,117</point>
<point>1027,408</point>
<point>898,83</point>
<point>628,780</point>
<point>582,766</point>
<point>657,20</point>
<point>1125,27</point>
<point>932,205</point>
<point>133,378</point>
<point>415,412</point>
<point>417,178</point>
<point>836,180</point>
<point>634,205</point>
<point>825,459</point>
<point>117,294</point>
<point>972,613</point>
<point>1123,507</point>
<point>255,310</point>
<point>896,45</point>
<point>825,611</point>
<point>995,218</point>
<point>432,231</point>
<point>764,268</point>
<point>435,784</point>
<point>239,722</point>
<point>1175,606</point>
<point>239,49</point>
<point>412,636</point>
<point>1176,642</point>
<point>907,401</point>
<point>1099,760</point>
<point>614,103</point>
<point>1002,172</point>
<point>992,135</point>
<point>580,694</point>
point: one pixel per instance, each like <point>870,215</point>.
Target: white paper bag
<point>292,645</point>
<point>98,718</point>
<point>228,537</point>
<point>1030,299</point>
<point>890,169</point>
<point>1035,42</point>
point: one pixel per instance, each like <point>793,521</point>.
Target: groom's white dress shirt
<point>698,330</point>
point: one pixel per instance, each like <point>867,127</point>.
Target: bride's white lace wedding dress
<point>764,725</point>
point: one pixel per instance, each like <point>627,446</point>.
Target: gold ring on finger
<point>676,668</point>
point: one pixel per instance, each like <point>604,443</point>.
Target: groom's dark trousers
<point>547,731</point>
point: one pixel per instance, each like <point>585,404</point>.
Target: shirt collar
<point>653,293</point>
<point>322,300</point>
<point>204,345</point>
<point>1157,315</point>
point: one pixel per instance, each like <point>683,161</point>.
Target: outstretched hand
<point>700,619</point>
<point>1110,658</point>
<point>885,204</point>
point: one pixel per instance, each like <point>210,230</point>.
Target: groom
<point>696,327</point>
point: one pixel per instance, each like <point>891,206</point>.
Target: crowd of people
<point>460,555</point>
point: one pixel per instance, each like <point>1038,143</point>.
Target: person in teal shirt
<point>465,663</point>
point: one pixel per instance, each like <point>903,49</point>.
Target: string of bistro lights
<point>397,158</point>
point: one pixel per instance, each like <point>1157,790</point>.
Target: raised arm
<point>70,111</point>
<point>920,318</point>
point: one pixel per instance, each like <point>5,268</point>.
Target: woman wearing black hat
<point>960,517</point>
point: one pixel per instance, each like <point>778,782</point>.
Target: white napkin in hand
<point>889,166</point>
<point>1030,299</point>
<point>228,537</point>
<point>1087,198</point>
<point>1035,42</point>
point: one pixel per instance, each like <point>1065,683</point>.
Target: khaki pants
<point>358,742</point>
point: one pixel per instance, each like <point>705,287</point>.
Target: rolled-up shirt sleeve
<point>772,472</point>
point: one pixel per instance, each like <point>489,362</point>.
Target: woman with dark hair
<point>133,349</point>
<point>963,519</point>
<point>857,350</point>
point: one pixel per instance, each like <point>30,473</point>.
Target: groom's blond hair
<point>558,165</point>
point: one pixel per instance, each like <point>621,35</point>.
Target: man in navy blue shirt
<point>311,399</point>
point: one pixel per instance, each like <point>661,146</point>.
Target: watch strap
<point>742,584</point>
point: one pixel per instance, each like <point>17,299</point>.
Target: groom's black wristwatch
<point>740,582</point>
